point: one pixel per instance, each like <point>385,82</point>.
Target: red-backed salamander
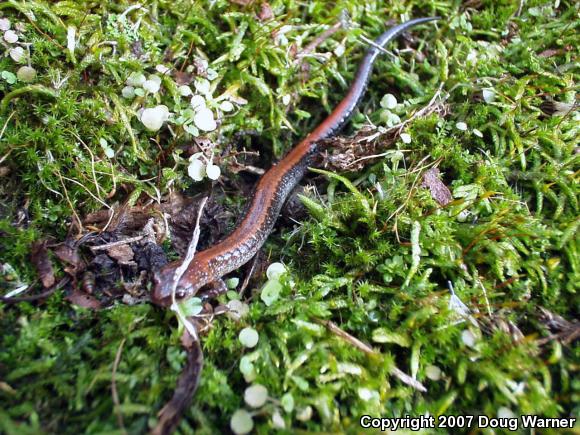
<point>208,267</point>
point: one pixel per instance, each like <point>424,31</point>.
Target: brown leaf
<point>293,51</point>
<point>266,13</point>
<point>242,2</point>
<point>439,191</point>
<point>68,253</point>
<point>554,321</point>
<point>83,300</point>
<point>353,153</point>
<point>124,218</point>
<point>122,253</point>
<point>549,52</point>
<point>183,78</point>
<point>182,215</point>
<point>556,108</point>
<point>42,263</point>
<point>556,51</point>
<point>508,327</point>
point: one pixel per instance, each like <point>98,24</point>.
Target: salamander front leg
<point>214,289</point>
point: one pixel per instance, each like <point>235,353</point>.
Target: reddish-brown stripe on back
<point>270,193</point>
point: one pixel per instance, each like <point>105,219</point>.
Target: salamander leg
<point>214,289</point>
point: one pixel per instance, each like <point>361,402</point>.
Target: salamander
<point>208,266</point>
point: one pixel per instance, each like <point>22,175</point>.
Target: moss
<point>508,242</point>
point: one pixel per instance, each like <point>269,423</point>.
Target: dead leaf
<point>182,214</point>
<point>183,78</point>
<point>561,329</point>
<point>266,13</point>
<point>439,191</point>
<point>293,51</point>
<point>556,108</point>
<point>68,253</point>
<point>353,153</point>
<point>555,51</point>
<point>554,321</point>
<point>83,300</point>
<point>122,253</point>
<point>549,52</point>
<point>124,218</point>
<point>509,327</point>
<point>42,263</point>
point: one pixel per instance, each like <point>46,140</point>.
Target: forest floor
<point>431,267</point>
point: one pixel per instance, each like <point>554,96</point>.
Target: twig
<point>117,243</point>
<point>375,156</point>
<point>114,386</point>
<point>187,384</point>
<point>377,46</point>
<point>2,134</point>
<point>249,168</point>
<point>567,336</point>
<point>187,55</point>
<point>316,42</point>
<point>20,289</point>
<point>567,331</point>
<point>254,170</point>
<point>402,376</point>
<point>520,8</point>
<point>406,379</point>
<point>114,188</point>
<point>432,106</point>
<point>42,33</point>
<point>429,108</point>
<point>248,276</point>
<point>191,249</point>
<point>410,194</point>
<point>38,296</point>
<point>333,327</point>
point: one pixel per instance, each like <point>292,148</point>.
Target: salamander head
<point>188,285</point>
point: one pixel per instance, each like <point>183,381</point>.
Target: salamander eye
<point>180,292</point>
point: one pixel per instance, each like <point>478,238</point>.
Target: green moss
<point>508,243</point>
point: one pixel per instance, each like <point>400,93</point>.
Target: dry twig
<point>187,383</point>
<point>43,295</point>
<point>402,376</point>
<point>107,246</point>
<point>316,42</point>
<point>249,275</point>
<point>171,413</point>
